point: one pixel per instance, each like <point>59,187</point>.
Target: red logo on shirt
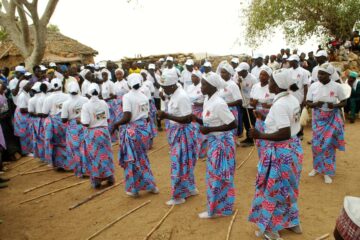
<point>207,114</point>
<point>198,92</point>
<point>266,95</point>
<point>225,89</point>
<point>332,94</point>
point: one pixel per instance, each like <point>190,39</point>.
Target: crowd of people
<point>70,117</point>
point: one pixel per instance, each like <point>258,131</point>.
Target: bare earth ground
<point>49,217</point>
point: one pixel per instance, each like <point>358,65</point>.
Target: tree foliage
<point>53,28</point>
<point>19,18</point>
<point>301,19</point>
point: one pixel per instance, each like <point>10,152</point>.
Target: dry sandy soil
<point>50,217</point>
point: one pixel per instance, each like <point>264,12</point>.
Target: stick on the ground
<point>325,236</point>
<point>156,150</point>
<point>93,196</point>
<point>39,171</point>
<point>231,224</point>
<point>52,192</point>
<point>20,164</point>
<point>45,184</point>
<point>118,219</point>
<point>247,158</point>
<point>29,170</point>
<point>159,224</point>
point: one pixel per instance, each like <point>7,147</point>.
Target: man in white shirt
<point>185,78</point>
<point>258,62</point>
<point>14,83</point>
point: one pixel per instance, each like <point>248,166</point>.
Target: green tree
<point>53,28</point>
<point>301,19</point>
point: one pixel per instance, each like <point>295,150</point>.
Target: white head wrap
<point>143,71</point>
<point>243,66</point>
<point>36,87</point>
<point>84,72</point>
<point>214,80</point>
<point>151,66</point>
<point>227,67</point>
<point>235,60</point>
<point>74,87</point>
<point>92,88</point>
<point>282,78</point>
<point>321,53</point>
<point>169,78</point>
<point>266,69</point>
<point>56,83</point>
<point>197,73</point>
<point>134,79</point>
<point>119,70</point>
<point>328,68</point>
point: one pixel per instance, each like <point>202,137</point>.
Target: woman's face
<point>119,75</point>
<point>225,75</point>
<point>195,79</point>
<point>323,77</point>
<point>264,78</point>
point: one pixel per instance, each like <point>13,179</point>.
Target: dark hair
<point>136,87</point>
<point>43,87</point>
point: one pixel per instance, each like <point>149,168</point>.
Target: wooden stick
<point>39,171</point>
<point>325,236</point>
<point>41,165</point>
<point>20,164</point>
<point>55,191</point>
<point>247,158</point>
<point>231,224</point>
<point>159,223</point>
<point>46,184</point>
<point>156,150</point>
<point>93,196</point>
<point>118,219</point>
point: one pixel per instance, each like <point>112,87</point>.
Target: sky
<point>118,28</point>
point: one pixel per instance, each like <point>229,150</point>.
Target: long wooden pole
<point>39,171</point>
<point>156,150</point>
<point>52,192</point>
<point>118,219</point>
<point>20,164</point>
<point>325,236</point>
<point>231,224</point>
<point>46,184</point>
<point>247,158</point>
<point>93,196</point>
<point>159,223</point>
<point>41,165</point>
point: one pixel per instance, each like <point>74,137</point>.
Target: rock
<point>353,57</point>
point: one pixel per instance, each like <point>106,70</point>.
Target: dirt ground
<point>50,217</point>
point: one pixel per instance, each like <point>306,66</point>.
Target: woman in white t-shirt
<point>261,100</point>
<point>326,97</point>
<point>182,139</point>
<point>75,147</point>
<point>231,92</point>
<point>22,121</point>
<point>217,123</point>
<point>148,89</point>
<point>197,101</point>
<point>134,137</point>
<point>55,129</point>
<point>94,117</point>
<point>274,206</point>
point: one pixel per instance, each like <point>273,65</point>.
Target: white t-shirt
<point>179,104</point>
<point>329,93</point>
<point>150,86</point>
<point>150,78</point>
<point>256,72</point>
<point>186,79</point>
<point>121,88</point>
<point>54,102</point>
<point>84,87</point>
<point>136,103</point>
<point>95,113</point>
<point>314,75</point>
<point>71,108</point>
<point>12,85</point>
<point>285,112</point>
<point>40,102</point>
<point>146,91</point>
<point>216,112</point>
<point>107,88</point>
<point>195,94</point>
<point>32,103</point>
<point>246,86</point>
<point>262,94</point>
<point>231,92</point>
<point>300,77</point>
<point>68,81</point>
<point>23,100</point>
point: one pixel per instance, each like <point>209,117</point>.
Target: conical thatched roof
<point>59,48</point>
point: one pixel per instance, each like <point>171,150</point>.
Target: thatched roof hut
<point>59,49</point>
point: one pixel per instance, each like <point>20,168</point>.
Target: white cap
<point>151,66</point>
<point>52,64</point>
<point>97,66</point>
<point>139,61</point>
<point>258,55</point>
<point>169,78</point>
<point>169,58</point>
<point>102,65</point>
<point>282,78</point>
<point>56,83</point>
<point>294,57</point>
<point>27,74</point>
<point>352,209</point>
<point>328,68</point>
<point>242,66</point>
<point>214,80</point>
<point>134,79</point>
<point>91,65</point>
<point>321,53</point>
<point>189,62</point>
<point>43,68</point>
<point>207,64</point>
<point>73,87</point>
<point>235,60</point>
<point>92,88</point>
<point>197,73</point>
<point>161,60</point>
<point>36,87</point>
<point>20,69</point>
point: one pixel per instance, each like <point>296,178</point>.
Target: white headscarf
<point>119,70</point>
<point>197,73</point>
<point>266,69</point>
<point>134,79</point>
<point>282,78</point>
<point>92,88</point>
<point>84,72</point>
<point>74,87</point>
<point>227,67</point>
<point>56,83</point>
<point>214,80</point>
<point>169,78</point>
<point>328,68</point>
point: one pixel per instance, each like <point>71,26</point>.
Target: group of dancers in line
<point>74,130</point>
